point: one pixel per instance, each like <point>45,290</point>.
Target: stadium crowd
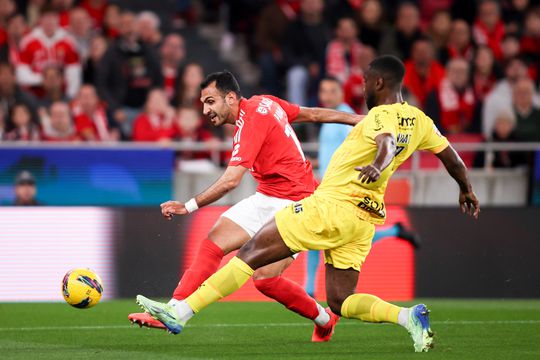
<point>90,70</point>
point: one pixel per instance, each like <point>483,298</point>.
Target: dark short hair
<point>390,68</point>
<point>25,178</point>
<point>225,82</point>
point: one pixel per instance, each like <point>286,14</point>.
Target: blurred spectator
<point>488,27</point>
<point>422,72</point>
<point>147,25</point>
<point>331,136</point>
<point>90,117</point>
<point>172,54</point>
<point>53,86</point>
<point>459,43</point>
<point>156,123</point>
<point>510,47</point>
<point>354,86</point>
<point>188,91</point>
<point>25,190</point>
<point>98,47</point>
<point>371,22</point>
<point>96,9</point>
<point>430,8</point>
<point>11,93</point>
<point>58,125</point>
<point>439,30</point>
<point>504,131</point>
<point>452,104</point>
<point>7,9</point>
<point>399,39</point>
<point>23,127</point>
<point>514,15</point>
<point>343,53</point>
<point>530,41</point>
<point>527,115</point>
<point>15,30</point>
<point>500,99</point>
<point>80,27</point>
<point>49,44</point>
<point>111,22</point>
<point>269,36</point>
<point>127,72</point>
<point>62,7</point>
<point>190,127</point>
<point>484,75</point>
<point>304,51</point>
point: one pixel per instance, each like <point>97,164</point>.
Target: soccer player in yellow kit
<point>339,217</point>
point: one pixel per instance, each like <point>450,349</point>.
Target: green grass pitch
<point>465,329</point>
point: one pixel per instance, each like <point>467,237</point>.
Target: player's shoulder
<point>258,105</point>
<point>383,112</point>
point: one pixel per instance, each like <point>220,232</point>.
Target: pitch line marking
<point>112,327</point>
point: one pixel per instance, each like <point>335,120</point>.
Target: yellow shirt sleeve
<point>432,140</point>
<point>379,121</point>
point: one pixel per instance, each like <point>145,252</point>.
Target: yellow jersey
<point>412,130</point>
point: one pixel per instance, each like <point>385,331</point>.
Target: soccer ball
<point>82,288</point>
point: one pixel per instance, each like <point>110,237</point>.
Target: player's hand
<point>368,174</point>
<point>469,204</point>
<point>170,208</point>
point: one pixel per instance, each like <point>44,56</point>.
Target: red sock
<point>290,294</point>
<point>205,264</point>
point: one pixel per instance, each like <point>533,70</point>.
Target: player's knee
<point>263,273</point>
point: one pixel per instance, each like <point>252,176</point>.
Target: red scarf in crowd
<point>457,109</point>
<point>483,36</point>
<point>336,60</point>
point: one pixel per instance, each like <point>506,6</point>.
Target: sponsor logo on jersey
<point>373,207</point>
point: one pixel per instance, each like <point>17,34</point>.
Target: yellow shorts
<point>316,223</point>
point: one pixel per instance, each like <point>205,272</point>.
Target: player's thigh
<point>340,284</point>
<point>228,235</point>
<point>236,225</point>
<point>355,243</point>
<point>265,247</point>
<point>273,269</point>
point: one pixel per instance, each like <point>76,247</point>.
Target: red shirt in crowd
<point>153,128</point>
<point>421,87</point>
<point>96,11</point>
<point>265,143</point>
<point>95,124</point>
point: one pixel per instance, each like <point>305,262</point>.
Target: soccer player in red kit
<point>265,144</point>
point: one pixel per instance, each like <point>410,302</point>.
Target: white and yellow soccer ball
<point>82,288</point>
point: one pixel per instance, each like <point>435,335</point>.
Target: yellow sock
<point>369,308</point>
<point>227,280</point>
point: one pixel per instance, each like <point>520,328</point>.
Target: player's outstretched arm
<point>322,115</point>
<point>386,150</point>
<point>456,168</point>
<point>227,182</point>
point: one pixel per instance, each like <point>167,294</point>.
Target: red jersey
<point>38,51</point>
<point>153,128</point>
<point>265,143</point>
